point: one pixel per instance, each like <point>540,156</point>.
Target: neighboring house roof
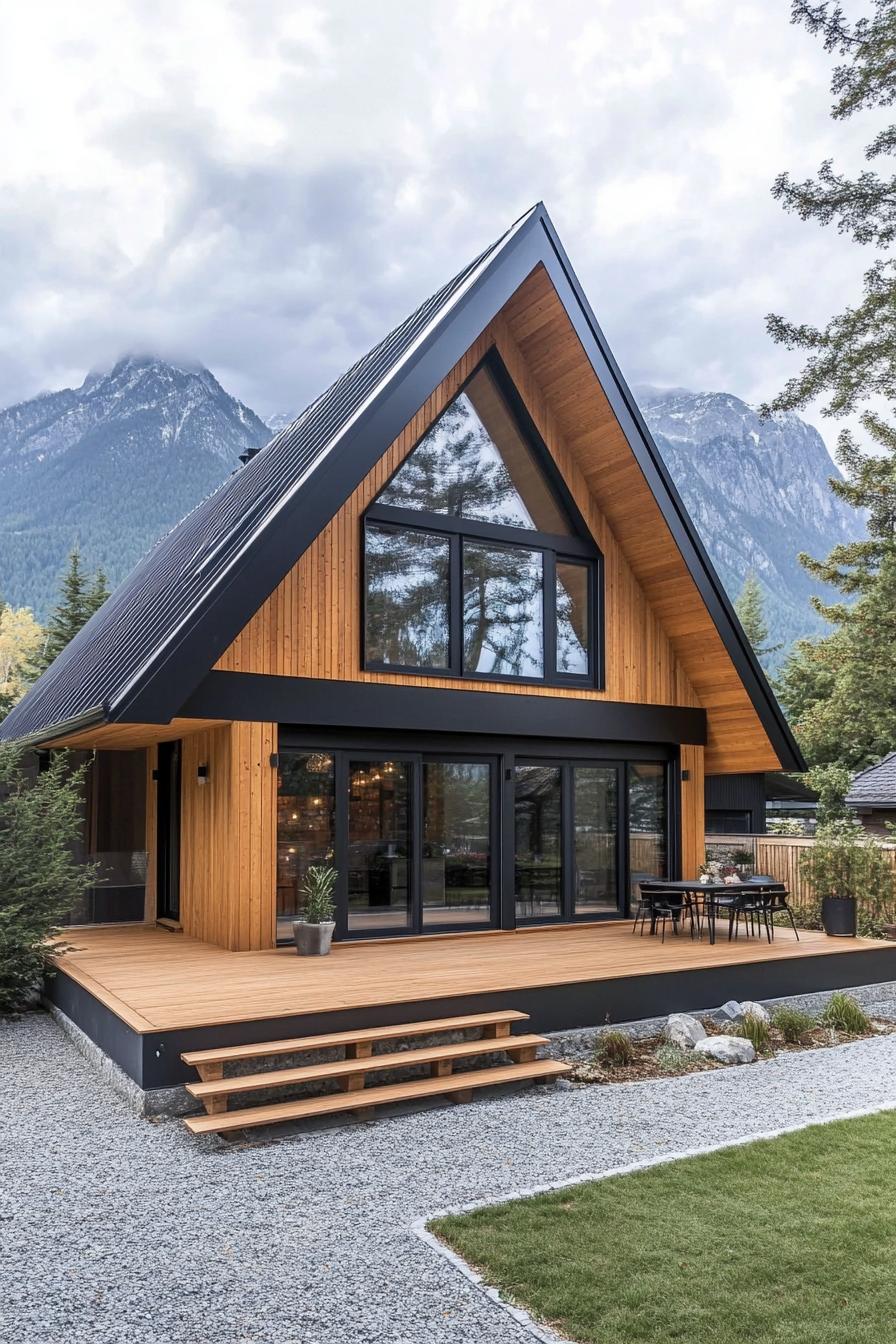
<point>142,655</point>
<point>876,786</point>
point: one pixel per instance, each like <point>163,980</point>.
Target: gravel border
<point>121,1230</point>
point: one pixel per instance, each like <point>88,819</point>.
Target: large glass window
<point>407,597</point>
<point>503,611</point>
<point>595,839</point>
<point>475,463</point>
<point>379,846</point>
<point>648,824</point>
<point>305,827</point>
<point>539,841</point>
<point>573,618</point>
<point>476,562</point>
<point>457,843</point>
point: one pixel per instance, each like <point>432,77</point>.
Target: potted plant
<point>313,933</point>
<point>842,866</point>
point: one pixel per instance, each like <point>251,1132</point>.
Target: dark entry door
<point>168,832</point>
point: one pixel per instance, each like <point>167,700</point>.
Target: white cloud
<point>268,187</point>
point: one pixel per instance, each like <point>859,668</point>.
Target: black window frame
<point>577,547</point>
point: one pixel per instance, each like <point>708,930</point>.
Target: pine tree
<point>853,357</point>
<point>80,595</point>
<point>98,592</point>
<point>750,608</point>
<point>839,690</point>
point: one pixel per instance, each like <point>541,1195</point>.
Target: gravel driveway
<point>114,1228</point>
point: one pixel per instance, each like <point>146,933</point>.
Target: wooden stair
<point>352,1073</point>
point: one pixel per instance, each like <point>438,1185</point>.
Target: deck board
<point>160,981</point>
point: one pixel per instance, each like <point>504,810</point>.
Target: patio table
<point>709,891</point>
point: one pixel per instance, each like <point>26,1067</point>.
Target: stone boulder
<point>750,1009</point>
<point>683,1030</point>
<point>727,1049</point>
<point>732,1011</point>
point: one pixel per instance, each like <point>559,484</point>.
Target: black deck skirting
<point>153,1060</point>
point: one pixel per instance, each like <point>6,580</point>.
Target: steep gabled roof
<point>876,786</point>
<point>142,655</point>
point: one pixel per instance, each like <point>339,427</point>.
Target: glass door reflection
<point>457,801</point>
<point>379,844</point>
<point>595,839</point>
<point>538,812</point>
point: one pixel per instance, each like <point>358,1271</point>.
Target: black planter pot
<point>838,916</point>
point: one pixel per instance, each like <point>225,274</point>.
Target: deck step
<point>362,1036</point>
<point>460,1084</point>
<point>523,1047</point>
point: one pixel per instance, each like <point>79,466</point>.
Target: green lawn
<point>789,1241</point>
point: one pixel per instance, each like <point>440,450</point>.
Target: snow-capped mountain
<point>758,493</point>
<point>111,465</point>
<point>114,463</point>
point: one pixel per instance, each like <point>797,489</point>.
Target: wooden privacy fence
<point>779,856</point>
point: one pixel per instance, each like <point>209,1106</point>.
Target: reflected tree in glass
<point>407,597</point>
<point>572,618</point>
<point>503,610</point>
<point>475,463</point>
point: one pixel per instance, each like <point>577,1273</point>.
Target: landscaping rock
<point>731,1011</point>
<point>751,1009</point>
<point>727,1049</point>
<point>683,1030</point>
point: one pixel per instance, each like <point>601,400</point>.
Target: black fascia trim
<point>174,673</point>
<point>250,696</point>
<point>676,516</point>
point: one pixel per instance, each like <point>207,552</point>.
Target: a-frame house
<point>452,632</point>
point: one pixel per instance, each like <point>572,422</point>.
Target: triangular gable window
<point>476,560</point>
<point>475,463</point>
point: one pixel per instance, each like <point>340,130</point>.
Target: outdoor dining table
<point>708,893</point>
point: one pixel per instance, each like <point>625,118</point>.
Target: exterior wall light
<point>202,774</point>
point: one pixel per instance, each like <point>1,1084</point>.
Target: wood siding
<point>693,843</point>
<point>228,840</point>
<point>311,624</point>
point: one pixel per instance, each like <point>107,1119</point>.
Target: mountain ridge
<point>115,463</point>
<point>111,466</point>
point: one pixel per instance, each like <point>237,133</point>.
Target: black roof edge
<point>271,553</point>
<point>90,718</point>
<point>692,549</point>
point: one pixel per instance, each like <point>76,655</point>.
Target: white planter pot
<point>313,940</point>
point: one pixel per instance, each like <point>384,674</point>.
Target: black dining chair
<point>662,904</point>
<point>779,903</point>
<point>753,906</point>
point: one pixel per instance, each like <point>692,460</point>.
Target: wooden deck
<point>156,981</point>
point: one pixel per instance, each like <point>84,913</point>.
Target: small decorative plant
<point>844,1014</point>
<point>757,1031</point>
<point>317,889</point>
<point>614,1049</point>
<point>793,1024</point>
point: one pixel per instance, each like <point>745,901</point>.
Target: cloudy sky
<point>267,187</point>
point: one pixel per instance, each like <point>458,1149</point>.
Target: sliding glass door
<point>417,838</point>
<point>379,846</point>
<point>457,807</point>
<point>567,836</point>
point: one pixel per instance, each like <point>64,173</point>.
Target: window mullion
<point>456,606</point>
<point>549,599</point>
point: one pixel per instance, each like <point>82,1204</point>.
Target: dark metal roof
<point>876,786</point>
<point>92,676</point>
<point>144,653</point>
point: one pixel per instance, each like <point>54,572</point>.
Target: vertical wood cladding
<point>228,841</point>
<point>693,838</point>
<point>310,626</point>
